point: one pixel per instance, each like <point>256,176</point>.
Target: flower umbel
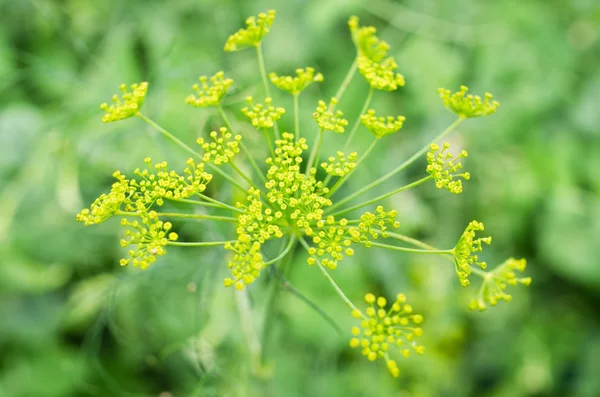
<point>130,104</point>
<point>327,120</point>
<point>263,115</point>
<point>295,85</point>
<point>256,29</point>
<point>222,149</point>
<point>381,126</point>
<point>340,165</point>
<point>469,105</point>
<point>210,91</point>
<point>465,252</point>
<point>442,166</point>
<point>494,283</point>
<point>384,329</point>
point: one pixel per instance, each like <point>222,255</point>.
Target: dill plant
<point>286,201</point>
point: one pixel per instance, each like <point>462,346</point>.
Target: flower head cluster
<point>333,240</point>
<point>381,126</point>
<point>108,204</point>
<point>295,85</point>
<point>327,119</point>
<point>149,235</point>
<point>298,195</point>
<point>210,91</point>
<point>340,165</point>
<point>374,64</point>
<point>256,225</point>
<point>375,224</point>
<point>222,149</point>
<point>256,29</point>
<point>465,252</point>
<point>130,104</point>
<point>469,105</point>
<point>263,115</point>
<point>381,330</point>
<point>442,166</point>
<point>494,283</point>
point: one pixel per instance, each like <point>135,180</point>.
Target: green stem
<point>412,250</point>
<point>330,279</point>
<point>268,138</point>
<point>383,196</point>
<point>314,152</point>
<point>347,80</point>
<point>243,175</point>
<point>296,117</point>
<point>357,122</point>
<point>287,249</point>
<point>219,203</point>
<point>195,202</point>
<point>401,166</point>
<point>263,73</point>
<point>186,216</point>
<point>199,244</point>
<point>343,180</point>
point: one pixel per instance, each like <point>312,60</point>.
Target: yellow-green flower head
<point>375,224</point>
<point>382,330</point>
<point>223,147</point>
<point>373,61</point>
<point>333,240</point>
<point>149,236</point>
<point>443,167</point>
<point>263,115</point>
<point>300,197</point>
<point>246,264</point>
<point>128,106</point>
<point>465,252</point>
<point>381,126</point>
<point>494,283</point>
<point>469,105</point>
<point>327,119</point>
<point>340,165</point>
<point>109,204</point>
<point>295,85</point>
<point>210,91</point>
<point>256,29</point>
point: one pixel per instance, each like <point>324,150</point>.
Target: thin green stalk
<point>343,180</point>
<point>268,138</point>
<point>263,74</point>
<point>401,166</point>
<point>347,80</point>
<point>411,250</point>
<point>195,202</point>
<point>186,216</point>
<point>242,145</point>
<point>199,243</point>
<point>296,117</point>
<point>357,122</point>
<point>330,279</point>
<point>189,150</point>
<point>287,249</point>
<point>383,196</point>
<point>219,203</point>
<point>243,175</point>
<point>314,152</point>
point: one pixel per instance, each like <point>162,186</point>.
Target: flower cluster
<point>333,240</point>
<point>465,252</point>
<point>442,166</point>
<point>327,120</point>
<point>377,223</point>
<point>256,29</point>
<point>381,126</point>
<point>129,106</point>
<point>495,282</point>
<point>381,329</point>
<point>222,149</point>
<point>374,64</point>
<point>295,85</point>
<point>263,115</point>
<point>469,105</point>
<point>149,236</point>
<point>340,165</point>
<point>210,91</point>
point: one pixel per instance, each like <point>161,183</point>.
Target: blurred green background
<point>74,323</point>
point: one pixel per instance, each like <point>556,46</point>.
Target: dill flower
<point>372,224</point>
<point>383,329</point>
<point>210,91</point>
<point>109,204</point>
<point>494,283</point>
<point>327,120</point>
<point>340,165</point>
<point>442,166</point>
<point>149,236</point>
<point>373,61</point>
<point>256,29</point>
<point>263,115</point>
<point>222,149</point>
<point>465,252</point>
<point>295,85</point>
<point>381,126</point>
<point>333,240</point>
<point>130,104</point>
<point>470,105</point>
